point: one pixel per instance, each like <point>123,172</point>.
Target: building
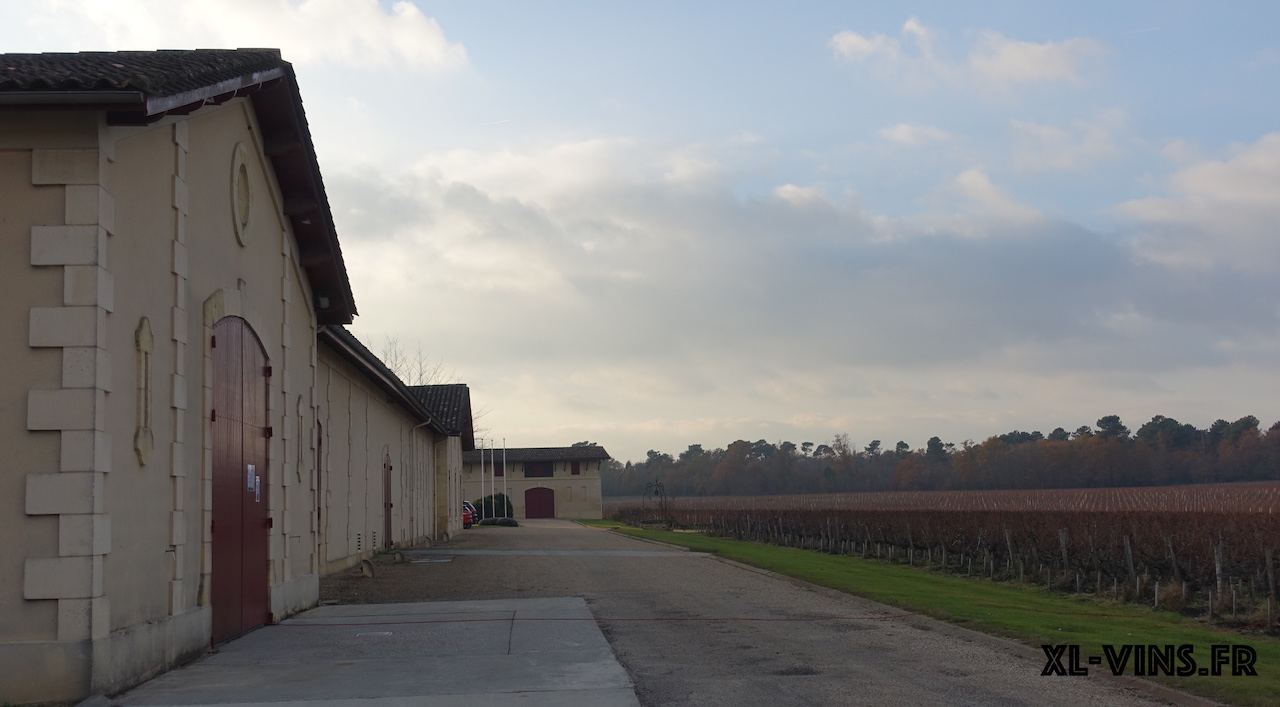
<point>450,406</point>
<point>390,470</point>
<point>542,482</point>
<point>191,437</point>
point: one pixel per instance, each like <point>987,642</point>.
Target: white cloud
<point>914,135</point>
<point>692,168</point>
<point>1081,144</point>
<point>909,60</point>
<point>994,61</point>
<point>538,173</point>
<point>1005,61</point>
<point>990,201</point>
<point>801,196</point>
<point>923,36</point>
<point>1218,212</point>
<point>577,286</point>
<point>854,46</point>
<point>648,294</point>
<point>1182,152</point>
<point>357,33</point>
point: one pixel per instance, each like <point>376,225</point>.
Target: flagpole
<point>505,501</point>
<point>481,508</point>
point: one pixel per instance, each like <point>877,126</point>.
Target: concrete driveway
<point>535,615</point>
<point>530,652</point>
<point>693,630</point>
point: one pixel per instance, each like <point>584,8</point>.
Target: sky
<point>650,225</point>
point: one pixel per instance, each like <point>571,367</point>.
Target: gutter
<point>150,108</point>
<point>341,341</point>
<point>72,98</point>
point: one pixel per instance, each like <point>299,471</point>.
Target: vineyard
<point>1207,550</point>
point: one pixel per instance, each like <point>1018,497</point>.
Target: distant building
<point>542,482</point>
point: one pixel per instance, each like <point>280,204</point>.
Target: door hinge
<point>266,371</point>
<point>213,342</point>
<point>212,524</point>
<point>271,522</point>
<point>213,416</point>
<point>267,432</point>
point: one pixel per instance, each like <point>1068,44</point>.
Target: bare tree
<point>414,368</point>
<point>417,368</point>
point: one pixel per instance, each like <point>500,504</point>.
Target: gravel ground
<point>692,630</point>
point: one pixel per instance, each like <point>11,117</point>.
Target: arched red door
<point>540,503</point>
<point>240,520</point>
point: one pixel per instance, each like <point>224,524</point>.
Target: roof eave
<point>539,454</point>
<point>212,92</point>
<point>287,140</point>
<point>101,100</point>
<point>349,348</point>
<point>132,107</point>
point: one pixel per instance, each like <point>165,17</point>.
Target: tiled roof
<point>451,405</point>
<point>140,88</point>
<point>543,454</point>
<point>162,73</point>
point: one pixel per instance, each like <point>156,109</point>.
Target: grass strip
<point>1023,612</point>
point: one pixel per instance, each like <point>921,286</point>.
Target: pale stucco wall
<point>175,245</point>
<point>449,497</point>
<point>362,431</point>
<point>33,197</point>
<point>262,282</point>
<point>576,496</point>
<point>103,227</point>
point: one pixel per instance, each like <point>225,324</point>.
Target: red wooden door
<point>540,503</point>
<point>386,502</point>
<point>240,519</point>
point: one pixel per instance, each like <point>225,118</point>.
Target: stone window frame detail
<point>144,440</point>
<point>241,193</point>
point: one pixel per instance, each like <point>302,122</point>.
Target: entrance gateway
<point>240,520</point>
<point>540,503</point>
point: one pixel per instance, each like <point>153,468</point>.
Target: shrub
<point>492,506</point>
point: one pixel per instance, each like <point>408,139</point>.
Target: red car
<point>467,516</point>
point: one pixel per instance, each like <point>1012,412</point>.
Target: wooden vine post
<point>1128,558</point>
<point>1271,588</point>
<point>1217,563</point>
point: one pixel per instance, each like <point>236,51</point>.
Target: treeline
<point>1162,452</point>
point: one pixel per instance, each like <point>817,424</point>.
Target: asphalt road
<point>693,630</point>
